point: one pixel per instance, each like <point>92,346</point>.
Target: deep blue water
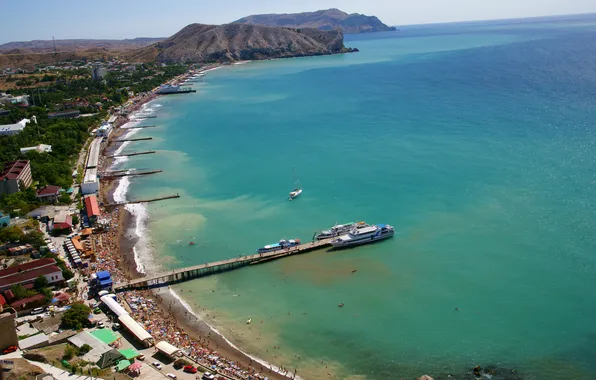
<point>475,141</point>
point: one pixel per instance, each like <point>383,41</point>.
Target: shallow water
<point>476,143</point>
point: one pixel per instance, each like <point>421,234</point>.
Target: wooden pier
<point>140,127</point>
<point>202,270</point>
<point>143,200</point>
<point>130,154</point>
<point>127,173</point>
<point>137,139</point>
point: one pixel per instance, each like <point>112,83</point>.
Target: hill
<point>47,46</point>
<point>198,43</point>
<point>329,19</point>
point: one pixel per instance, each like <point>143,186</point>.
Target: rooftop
<point>91,206</point>
<point>31,265</point>
<point>28,276</point>
<point>14,127</point>
<point>13,169</point>
<point>48,190</point>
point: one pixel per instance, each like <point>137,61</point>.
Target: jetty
<point>149,200</point>
<point>139,117</point>
<point>137,139</point>
<point>141,127</point>
<point>130,154</point>
<point>127,173</point>
<point>202,270</point>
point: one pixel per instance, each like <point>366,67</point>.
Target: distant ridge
<point>328,19</point>
<point>199,43</point>
<point>45,46</point>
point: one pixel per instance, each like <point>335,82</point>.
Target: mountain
<point>198,43</point>
<point>329,19</point>
<point>47,46</point>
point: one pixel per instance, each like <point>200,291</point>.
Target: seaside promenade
<point>201,270</point>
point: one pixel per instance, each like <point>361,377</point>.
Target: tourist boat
<point>364,235</point>
<point>339,229</point>
<point>298,190</point>
<point>277,246</point>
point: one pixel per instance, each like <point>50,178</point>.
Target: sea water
<point>475,141</point>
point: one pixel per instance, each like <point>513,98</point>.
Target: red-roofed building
<point>29,302</point>
<point>62,221</point>
<point>2,300</point>
<point>15,177</point>
<point>92,208</point>
<point>49,193</point>
<point>26,274</point>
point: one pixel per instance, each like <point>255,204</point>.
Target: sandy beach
<point>169,320</point>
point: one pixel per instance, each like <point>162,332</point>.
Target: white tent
<point>167,349</point>
<point>136,329</point>
<point>113,305</point>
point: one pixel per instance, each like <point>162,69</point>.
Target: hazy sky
<point>42,19</point>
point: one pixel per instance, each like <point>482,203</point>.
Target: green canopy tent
<point>106,335</point>
<point>130,353</point>
<point>122,365</point>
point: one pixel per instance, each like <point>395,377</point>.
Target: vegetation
<point>84,349</point>
<point>40,282</point>
<point>69,352</point>
<point>20,292</point>
<point>16,234</point>
<point>76,317</point>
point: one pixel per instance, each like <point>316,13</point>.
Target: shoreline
<point>183,319</point>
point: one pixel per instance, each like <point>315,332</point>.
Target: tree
<point>67,274</point>
<point>20,292</point>
<point>40,282</point>
<point>75,219</point>
<point>76,317</point>
<point>84,349</point>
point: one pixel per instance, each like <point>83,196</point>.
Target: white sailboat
<point>298,190</point>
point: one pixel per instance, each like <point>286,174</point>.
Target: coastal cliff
<point>328,19</point>
<point>198,43</point>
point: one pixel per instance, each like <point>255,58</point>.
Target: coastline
<point>170,303</point>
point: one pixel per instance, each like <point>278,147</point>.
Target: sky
<point>118,19</point>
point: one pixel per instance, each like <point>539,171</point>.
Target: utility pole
<point>55,51</point>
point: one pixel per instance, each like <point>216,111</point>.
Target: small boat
<point>341,305</point>
<point>298,190</point>
<point>364,235</point>
<point>249,321</point>
<point>354,270</point>
<point>191,243</point>
<point>283,244</point>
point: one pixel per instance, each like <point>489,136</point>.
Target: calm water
<point>475,141</point>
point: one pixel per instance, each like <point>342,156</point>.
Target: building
<point>15,177</point>
<point>104,130</point>
<point>103,280</point>
<point>4,220</point>
<point>49,194</point>
<point>92,208</point>
<point>41,148</point>
<point>8,326</point>
<point>62,221</point>
<point>70,114</point>
<point>98,72</point>
<point>25,274</point>
<point>13,129</point>
<point>90,183</point>
<point>9,99</point>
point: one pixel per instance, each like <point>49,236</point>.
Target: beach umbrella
<point>136,366</point>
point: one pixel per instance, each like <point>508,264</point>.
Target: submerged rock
<point>425,377</point>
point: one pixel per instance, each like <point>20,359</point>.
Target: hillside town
<point>59,239</point>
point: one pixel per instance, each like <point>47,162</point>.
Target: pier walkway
<point>137,139</point>
<point>125,173</point>
<point>201,270</point>
<point>143,200</point>
<point>130,154</point>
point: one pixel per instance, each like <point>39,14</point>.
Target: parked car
<point>100,324</point>
<point>10,349</point>
<point>156,365</point>
<point>116,326</point>
<point>171,375</point>
<point>140,357</point>
<point>190,369</point>
<point>208,376</point>
<point>37,310</point>
<point>96,310</point>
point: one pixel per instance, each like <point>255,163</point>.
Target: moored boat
<point>339,229</point>
<point>282,244</point>
<point>298,190</point>
<point>365,235</point>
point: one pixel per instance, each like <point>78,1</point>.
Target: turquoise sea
<point>475,140</point>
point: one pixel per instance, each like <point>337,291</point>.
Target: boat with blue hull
<point>282,244</point>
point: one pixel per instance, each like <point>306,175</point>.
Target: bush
<point>67,274</point>
<point>40,282</point>
<point>76,317</point>
<point>84,349</point>
<point>69,352</point>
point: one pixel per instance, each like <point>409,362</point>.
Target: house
<point>25,274</point>
<point>49,193</point>
<point>15,177</point>
<point>62,221</point>
<point>70,114</point>
<point>92,208</point>
<point>41,148</point>
<point>13,129</point>
<point>29,302</point>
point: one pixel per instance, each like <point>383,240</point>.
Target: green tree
<point>20,292</point>
<point>75,219</point>
<point>67,274</point>
<point>40,282</point>
<point>76,317</point>
<point>84,349</point>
